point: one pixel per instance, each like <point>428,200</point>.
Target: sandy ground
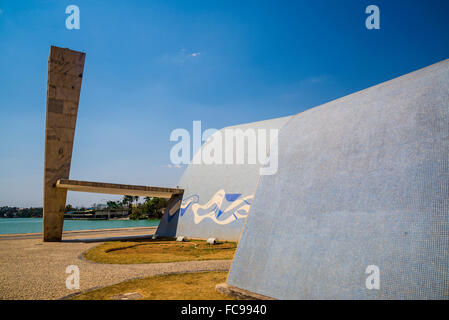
<point>32,269</point>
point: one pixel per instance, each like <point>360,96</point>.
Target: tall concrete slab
<point>217,197</point>
<point>361,194</point>
<point>65,73</point>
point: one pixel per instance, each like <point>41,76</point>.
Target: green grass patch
<point>158,251</point>
<point>186,286</point>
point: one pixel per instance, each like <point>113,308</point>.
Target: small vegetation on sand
<point>185,286</point>
<point>157,251</point>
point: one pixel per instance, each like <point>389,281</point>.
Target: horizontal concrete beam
<point>113,188</point>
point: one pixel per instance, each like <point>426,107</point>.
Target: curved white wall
<point>362,180</point>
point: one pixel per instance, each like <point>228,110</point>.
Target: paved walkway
<point>95,234</point>
<point>31,269</point>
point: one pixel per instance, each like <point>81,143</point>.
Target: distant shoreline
<point>100,219</point>
<point>76,232</point>
<point>94,219</point>
<point>20,225</point>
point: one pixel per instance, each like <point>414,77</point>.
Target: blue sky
<point>154,66</point>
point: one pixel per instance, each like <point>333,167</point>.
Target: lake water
<point>31,225</point>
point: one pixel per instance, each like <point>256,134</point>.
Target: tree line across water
<point>150,208</point>
<point>14,212</point>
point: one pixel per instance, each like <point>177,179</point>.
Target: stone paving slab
<point>32,269</point>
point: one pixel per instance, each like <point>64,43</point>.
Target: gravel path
<point>31,269</point>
